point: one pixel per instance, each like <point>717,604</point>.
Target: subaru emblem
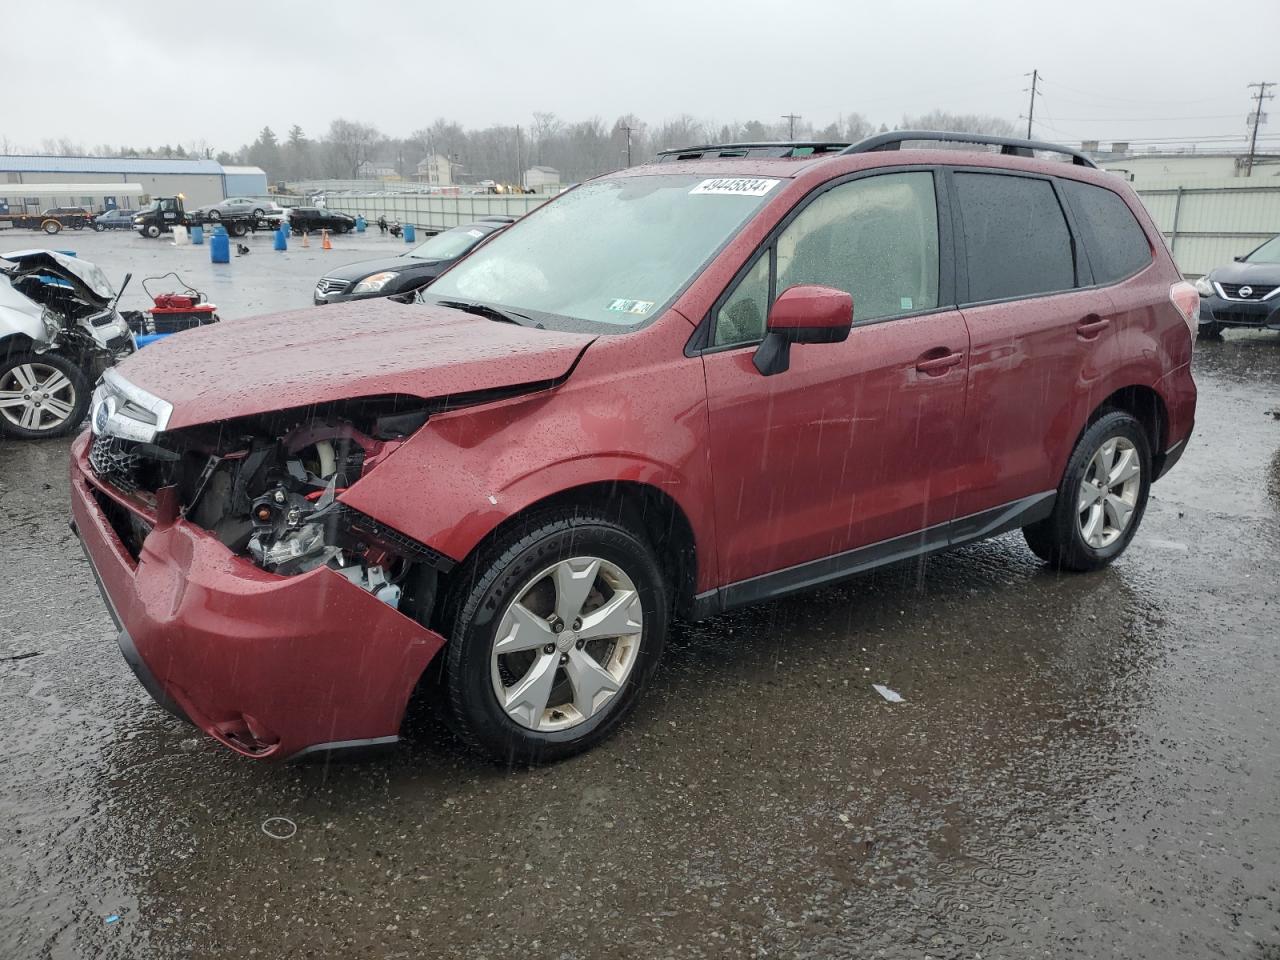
<point>1246,291</point>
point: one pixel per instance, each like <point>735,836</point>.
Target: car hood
<point>344,351</point>
<point>86,278</point>
<point>1263,273</point>
<point>363,268</point>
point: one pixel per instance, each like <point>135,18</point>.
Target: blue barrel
<point>143,339</point>
<point>197,235</point>
<point>360,224</point>
<point>281,241</point>
<point>220,247</point>
<point>410,235</point>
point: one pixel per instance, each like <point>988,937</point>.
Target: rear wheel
<point>560,627</point>
<point>41,396</point>
<point>51,227</point>
<point>1101,499</point>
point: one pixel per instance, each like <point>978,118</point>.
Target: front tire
<point>556,629</point>
<point>51,227</point>
<point>41,396</point>
<point>1101,499</point>
<point>152,231</point>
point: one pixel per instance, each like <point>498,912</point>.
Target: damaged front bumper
<point>270,666</point>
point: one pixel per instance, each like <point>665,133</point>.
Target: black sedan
<point>113,220</point>
<point>407,273</point>
<point>1245,293</point>
<point>315,219</point>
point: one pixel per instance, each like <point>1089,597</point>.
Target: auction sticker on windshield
<point>637,307</point>
<point>735,186</point>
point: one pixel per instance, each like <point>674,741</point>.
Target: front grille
<point>330,285</point>
<point>1257,291</point>
<point>116,462</point>
<point>1239,316</point>
<point>122,342</point>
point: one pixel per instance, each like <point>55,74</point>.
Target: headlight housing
<point>376,282</point>
<point>1204,287</point>
<point>51,322</point>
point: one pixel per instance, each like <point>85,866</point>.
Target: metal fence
<point>1206,225</point>
<point>427,212</point>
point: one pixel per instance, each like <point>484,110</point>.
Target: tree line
<point>576,149</point>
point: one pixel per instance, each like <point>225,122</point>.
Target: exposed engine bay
<point>268,489</point>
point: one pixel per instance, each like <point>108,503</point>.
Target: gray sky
<point>1124,69</point>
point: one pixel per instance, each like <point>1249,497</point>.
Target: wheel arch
<point>1145,405</point>
<point>641,506</point>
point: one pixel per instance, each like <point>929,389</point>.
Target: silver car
<point>236,206</point>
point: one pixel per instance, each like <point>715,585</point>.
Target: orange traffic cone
<point>324,240</point>
<point>306,238</point>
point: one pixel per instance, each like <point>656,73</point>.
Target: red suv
<point>719,378</point>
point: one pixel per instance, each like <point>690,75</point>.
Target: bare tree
<point>960,123</point>
<point>353,143</point>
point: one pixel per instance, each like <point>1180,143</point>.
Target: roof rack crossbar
<point>1013,146</point>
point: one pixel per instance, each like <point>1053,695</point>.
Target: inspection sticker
<point>735,186</point>
<point>475,233</point>
<point>637,307</point>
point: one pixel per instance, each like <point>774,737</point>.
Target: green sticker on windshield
<point>637,307</point>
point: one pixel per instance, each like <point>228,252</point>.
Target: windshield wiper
<point>492,313</point>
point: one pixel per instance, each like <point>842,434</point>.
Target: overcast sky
<point>150,72</point>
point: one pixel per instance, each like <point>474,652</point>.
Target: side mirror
<point>802,314</point>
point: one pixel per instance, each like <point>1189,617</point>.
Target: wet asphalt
<point>1083,765</point>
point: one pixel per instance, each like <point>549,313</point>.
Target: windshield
<point>1269,252</point>
<point>608,254</point>
<point>449,244</point>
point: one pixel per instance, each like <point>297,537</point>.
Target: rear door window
<point>1017,243</point>
<point>1117,246</point>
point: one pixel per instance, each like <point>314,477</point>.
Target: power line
<point>1257,121</point>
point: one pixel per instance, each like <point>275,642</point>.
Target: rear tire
<point>513,587</point>
<point>1100,501</point>
<point>51,227</point>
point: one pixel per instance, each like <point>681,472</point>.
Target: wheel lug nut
<point>557,626</point>
<point>580,644</point>
<point>549,648</point>
<point>564,658</point>
<point>577,624</point>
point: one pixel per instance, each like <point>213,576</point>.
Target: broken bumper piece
<point>271,666</point>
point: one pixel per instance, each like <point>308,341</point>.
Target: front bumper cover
<point>270,666</point>
<point>1263,314</point>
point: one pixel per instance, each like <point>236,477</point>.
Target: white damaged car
<point>59,329</point>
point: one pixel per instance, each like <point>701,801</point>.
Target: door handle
<point>935,365</point>
<point>1091,326</point>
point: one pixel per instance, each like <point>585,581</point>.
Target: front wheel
<point>1101,499</point>
<point>51,227</point>
<point>99,227</point>
<point>557,629</point>
<point>41,396</point>
<point>214,215</point>
<point>152,231</point>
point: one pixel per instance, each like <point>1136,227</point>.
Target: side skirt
<point>814,573</point>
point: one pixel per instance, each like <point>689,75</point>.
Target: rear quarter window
<point>1116,244</point>
<point>1015,237</point>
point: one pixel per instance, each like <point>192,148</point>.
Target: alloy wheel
<point>36,396</point>
<point>566,644</point>
<point>1109,492</point>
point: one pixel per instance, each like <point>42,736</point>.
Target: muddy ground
<point>1084,765</point>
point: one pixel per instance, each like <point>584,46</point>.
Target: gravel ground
<point>1083,765</point>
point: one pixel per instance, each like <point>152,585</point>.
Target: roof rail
<point>765,149</point>
<point>1012,146</point>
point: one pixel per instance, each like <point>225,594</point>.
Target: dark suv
<point>669,392</point>
<point>1245,293</point>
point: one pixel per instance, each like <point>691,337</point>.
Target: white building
<point>435,170</point>
<point>1190,168</point>
<point>541,178</point>
<point>199,181</point>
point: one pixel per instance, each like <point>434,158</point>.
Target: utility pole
<point>1257,120</point>
<point>628,129</point>
<point>791,118</point>
<point>519,178</point>
<point>1031,110</point>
